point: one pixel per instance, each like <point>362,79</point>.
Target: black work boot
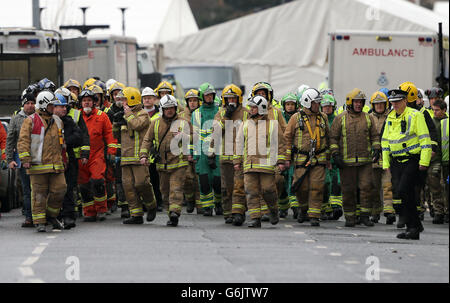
<point>238,219</point>
<point>28,223</point>
<point>228,220</point>
<point>265,218</point>
<point>151,214</point>
<point>315,222</point>
<point>324,217</point>
<point>41,228</point>
<point>173,219</point>
<point>366,221</point>
<point>200,211</point>
<point>337,213</point>
<point>390,219</point>
<point>218,209</point>
<point>438,219</point>
<point>208,211</point>
<point>375,218</point>
<point>190,206</point>
<point>256,223</point>
<point>302,217</point>
<point>350,221</point>
<point>125,212</point>
<point>295,211</point>
<point>401,222</point>
<point>410,234</point>
<point>55,223</point>
<point>274,219</point>
<point>90,219</point>
<point>101,216</point>
<point>283,213</point>
<point>69,222</point>
<point>134,220</point>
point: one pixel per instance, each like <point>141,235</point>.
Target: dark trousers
<point>405,178</point>
<point>71,175</point>
<point>26,189</point>
<point>154,179</point>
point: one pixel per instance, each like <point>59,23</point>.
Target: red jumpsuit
<point>100,133</point>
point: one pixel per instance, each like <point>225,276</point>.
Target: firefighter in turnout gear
<point>207,166</point>
<point>91,173</point>
<point>133,125</point>
<point>444,147</point>
<point>308,135</point>
<point>228,120</point>
<point>381,181</point>
<point>332,193</point>
<point>406,151</point>
<point>168,138</point>
<point>354,145</point>
<point>286,199</point>
<point>117,101</point>
<point>40,148</point>
<point>265,90</point>
<point>191,189</point>
<point>259,132</point>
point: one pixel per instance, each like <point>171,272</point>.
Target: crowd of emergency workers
<point>84,151</point>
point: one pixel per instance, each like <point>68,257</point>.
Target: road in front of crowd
<point>205,249</point>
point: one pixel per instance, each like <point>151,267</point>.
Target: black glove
<point>119,119</point>
<point>338,161</point>
<point>212,162</point>
<point>376,155</point>
<point>229,111</point>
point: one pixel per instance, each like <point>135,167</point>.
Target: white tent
<point>288,45</point>
<point>149,21</point>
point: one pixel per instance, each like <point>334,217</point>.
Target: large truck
<point>371,60</point>
<point>113,57</point>
<point>27,55</point>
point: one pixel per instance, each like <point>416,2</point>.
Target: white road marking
<point>310,241</point>
<point>389,271</point>
<point>321,247</point>
<point>51,237</point>
<point>30,261</point>
<point>288,226</point>
<point>299,232</point>
<point>335,254</point>
<point>43,244</point>
<point>35,281</point>
<point>38,250</point>
<point>26,271</point>
<point>351,262</point>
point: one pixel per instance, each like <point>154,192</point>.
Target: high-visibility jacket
<point>228,132</point>
<point>353,136</point>
<point>41,143</point>
<point>100,131</point>
<point>341,109</point>
<point>298,136</point>
<point>413,139</point>
<point>161,137</point>
<point>202,123</point>
<point>84,150</point>
<point>132,135</point>
<point>250,140</point>
<point>444,139</point>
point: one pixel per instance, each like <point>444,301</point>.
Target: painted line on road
<point>30,261</point>
<point>288,226</point>
<point>310,241</point>
<point>351,262</point>
<point>321,247</point>
<point>51,237</point>
<point>26,271</point>
<point>299,232</point>
<point>35,281</point>
<point>335,254</point>
<point>39,249</point>
<point>389,271</point>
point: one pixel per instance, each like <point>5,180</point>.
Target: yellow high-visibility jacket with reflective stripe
<point>413,139</point>
<point>444,139</point>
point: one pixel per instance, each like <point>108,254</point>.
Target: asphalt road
<point>204,249</point>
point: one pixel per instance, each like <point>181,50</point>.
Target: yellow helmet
<point>231,91</point>
<point>266,86</point>
<point>74,97</point>
<point>164,86</point>
<point>95,89</point>
<point>72,82</point>
<point>115,86</point>
<point>133,96</point>
<point>379,97</point>
<point>355,94</point>
<point>192,93</point>
<point>88,82</point>
<point>411,89</point>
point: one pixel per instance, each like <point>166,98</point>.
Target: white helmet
<point>65,92</point>
<point>168,101</point>
<point>45,98</point>
<point>446,102</point>
<point>261,103</point>
<point>109,83</point>
<point>148,92</point>
<point>301,89</point>
<point>421,94</point>
<point>310,95</point>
